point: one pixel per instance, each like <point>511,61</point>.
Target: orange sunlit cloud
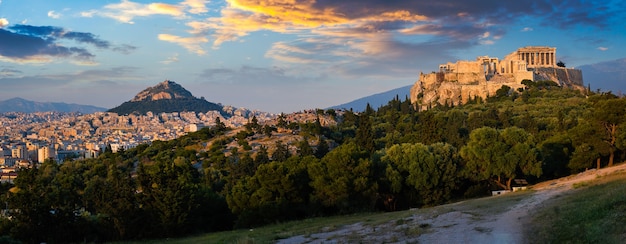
<point>196,6</point>
<point>242,17</point>
<point>190,43</point>
<point>126,11</point>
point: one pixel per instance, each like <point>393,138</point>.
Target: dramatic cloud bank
<point>27,43</point>
<point>269,53</point>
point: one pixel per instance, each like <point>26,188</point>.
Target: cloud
<point>289,53</point>
<point>347,33</point>
<point>364,17</point>
<point>454,19</point>
<point>126,11</point>
<point>21,48</point>
<point>85,86</point>
<point>53,14</point>
<point>36,44</point>
<point>3,22</point>
<point>572,14</point>
<point>9,72</point>
<point>527,29</point>
<point>250,75</point>
<point>603,48</point>
<point>93,75</point>
<point>193,44</point>
<point>172,59</point>
<point>196,6</point>
<point>356,59</point>
<point>124,48</point>
<point>55,84</point>
<point>364,20</point>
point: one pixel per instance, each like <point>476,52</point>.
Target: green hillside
<point>387,159</point>
<point>166,106</point>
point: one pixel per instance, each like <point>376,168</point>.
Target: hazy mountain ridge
<point>608,75</point>
<point>166,97</point>
<point>376,100</point>
<point>25,106</point>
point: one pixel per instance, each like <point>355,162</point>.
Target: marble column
<point>536,58</point>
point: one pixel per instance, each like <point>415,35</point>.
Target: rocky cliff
<point>164,90</point>
<point>457,88</point>
<point>166,97</point>
<point>570,78</point>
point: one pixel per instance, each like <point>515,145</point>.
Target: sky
<point>278,55</point>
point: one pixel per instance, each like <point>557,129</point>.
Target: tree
<point>322,149</point>
<point>282,123</point>
<point>556,152</point>
<point>587,138</point>
<point>219,125</point>
<point>560,64</point>
<point>364,133</point>
<point>501,93</point>
<point>342,180</point>
<point>303,148</point>
<point>281,152</point>
<point>267,130</point>
<point>429,171</point>
<point>262,156</point>
<point>610,113</point>
<point>112,197</point>
<point>331,112</point>
<point>47,200</point>
<point>168,194</point>
<point>253,125</point>
<point>277,191</point>
<point>35,220</point>
<point>108,149</point>
<point>498,156</point>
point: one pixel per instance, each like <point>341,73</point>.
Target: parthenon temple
<point>535,56</point>
<point>519,61</point>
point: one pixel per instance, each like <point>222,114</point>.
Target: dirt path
<point>508,226</point>
<point>457,226</point>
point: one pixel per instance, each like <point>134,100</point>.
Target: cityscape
<point>312,121</point>
<point>30,138</point>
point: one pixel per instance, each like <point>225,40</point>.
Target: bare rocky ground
<point>447,225</point>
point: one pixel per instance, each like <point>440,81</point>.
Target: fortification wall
<point>468,67</point>
<point>527,75</point>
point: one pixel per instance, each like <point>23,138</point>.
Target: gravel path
<point>457,226</point>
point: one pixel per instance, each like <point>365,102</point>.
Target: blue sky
<point>277,55</point>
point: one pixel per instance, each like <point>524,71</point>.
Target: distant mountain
<point>606,76</point>
<point>22,105</point>
<point>376,100</point>
<point>165,97</point>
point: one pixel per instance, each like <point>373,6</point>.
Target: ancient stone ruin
<point>457,83</point>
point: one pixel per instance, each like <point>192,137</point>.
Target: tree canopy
<point>388,159</point>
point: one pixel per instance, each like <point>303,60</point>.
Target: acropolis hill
<point>456,83</point>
